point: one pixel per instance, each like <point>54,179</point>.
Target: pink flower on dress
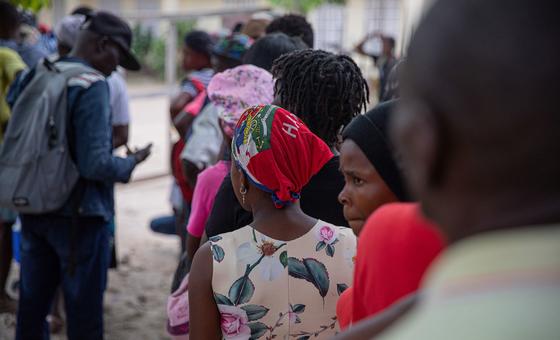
<point>327,234</point>
<point>234,323</point>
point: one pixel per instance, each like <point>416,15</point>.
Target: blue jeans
<point>45,253</point>
<point>164,225</point>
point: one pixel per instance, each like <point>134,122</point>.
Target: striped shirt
<point>202,76</point>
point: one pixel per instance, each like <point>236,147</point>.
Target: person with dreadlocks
<point>282,274</point>
<point>326,91</point>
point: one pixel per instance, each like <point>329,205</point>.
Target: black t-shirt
<point>319,199</point>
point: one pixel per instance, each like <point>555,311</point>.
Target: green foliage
<point>33,5</point>
<point>150,49</point>
<point>303,6</point>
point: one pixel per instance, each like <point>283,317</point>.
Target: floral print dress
<point>270,289</point>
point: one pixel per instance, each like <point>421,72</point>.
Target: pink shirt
<point>205,191</point>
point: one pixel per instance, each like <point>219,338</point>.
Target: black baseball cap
<point>113,27</point>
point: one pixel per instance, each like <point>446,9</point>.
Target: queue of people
<point>434,215</point>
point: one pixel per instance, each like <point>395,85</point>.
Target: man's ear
<point>417,136</point>
<point>103,44</point>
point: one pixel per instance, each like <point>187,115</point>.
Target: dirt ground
<point>136,297</point>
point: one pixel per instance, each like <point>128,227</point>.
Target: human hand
<point>140,155</point>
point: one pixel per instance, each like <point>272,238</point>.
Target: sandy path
<point>136,297</point>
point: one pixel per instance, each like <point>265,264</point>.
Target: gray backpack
<point>37,174</point>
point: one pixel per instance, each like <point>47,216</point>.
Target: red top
<point>395,248</point>
<point>176,169</point>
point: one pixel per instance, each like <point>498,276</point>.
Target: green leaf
<point>341,287</point>
<point>312,271</point>
<point>330,250</point>
<point>33,5</point>
<point>298,308</point>
<point>255,312</point>
<point>318,274</point>
<point>218,253</point>
<point>222,300</point>
<point>258,329</point>
<point>241,291</point>
<point>320,245</point>
<point>297,269</point>
<point>284,258</point>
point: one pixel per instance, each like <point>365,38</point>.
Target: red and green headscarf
<point>277,152</point>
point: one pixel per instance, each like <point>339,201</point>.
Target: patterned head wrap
<point>236,89</point>
<point>233,46</point>
<point>277,152</point>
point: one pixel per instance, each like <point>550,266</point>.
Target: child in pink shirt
<point>207,185</point>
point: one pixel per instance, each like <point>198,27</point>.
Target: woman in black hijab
<point>367,161</point>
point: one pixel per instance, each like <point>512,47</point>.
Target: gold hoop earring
<point>243,192</point>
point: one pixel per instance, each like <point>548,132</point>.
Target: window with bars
<point>329,30</point>
<point>383,16</point>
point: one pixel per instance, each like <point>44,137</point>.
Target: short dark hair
<point>27,17</point>
<point>82,10</point>
<point>200,42</point>
<point>267,49</point>
<point>391,41</point>
<point>293,25</point>
<point>9,20</point>
<point>325,90</point>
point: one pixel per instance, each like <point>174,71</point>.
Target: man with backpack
<point>62,180</point>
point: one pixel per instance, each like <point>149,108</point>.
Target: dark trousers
<point>45,257</point>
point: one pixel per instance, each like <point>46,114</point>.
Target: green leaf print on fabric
<point>284,258</point>
<point>320,246</point>
<point>297,269</point>
<point>222,300</point>
<point>319,274</point>
<point>330,250</point>
<point>341,287</point>
<point>218,253</point>
<point>242,290</point>
<point>312,271</point>
<point>298,308</point>
<point>255,312</point>
<point>258,329</point>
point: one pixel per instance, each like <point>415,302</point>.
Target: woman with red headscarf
<point>280,276</point>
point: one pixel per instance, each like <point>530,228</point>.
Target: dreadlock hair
<point>325,90</point>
